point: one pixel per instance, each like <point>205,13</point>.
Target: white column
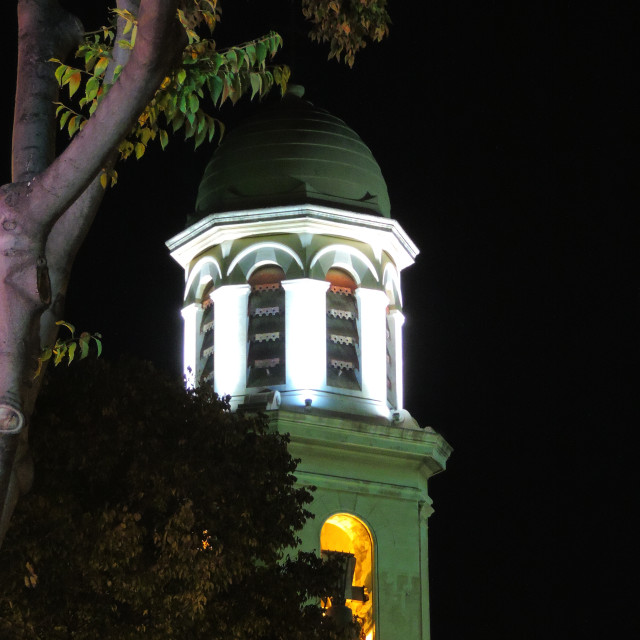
<point>306,333</point>
<point>190,317</point>
<point>396,320</point>
<point>230,307</point>
<point>372,310</point>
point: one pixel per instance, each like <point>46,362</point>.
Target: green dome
<point>293,153</point>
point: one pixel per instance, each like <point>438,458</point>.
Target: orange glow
<point>344,532</point>
<point>341,278</point>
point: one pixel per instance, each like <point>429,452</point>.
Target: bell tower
<point>293,306</point>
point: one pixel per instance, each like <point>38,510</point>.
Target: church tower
<point>293,306</point>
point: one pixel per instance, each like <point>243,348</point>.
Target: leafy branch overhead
<point>205,73</point>
<point>347,24</point>
<point>67,348</point>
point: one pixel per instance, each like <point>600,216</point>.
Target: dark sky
<point>500,133</point>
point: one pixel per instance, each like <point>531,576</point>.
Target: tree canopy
<point>157,513</point>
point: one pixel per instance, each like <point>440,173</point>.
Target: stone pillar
<point>191,317</point>
<point>230,308</point>
<point>306,333</point>
<point>372,309</point>
<point>396,320</point>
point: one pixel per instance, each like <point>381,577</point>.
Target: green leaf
<point>194,103</point>
<point>91,90</point>
<point>74,125</point>
<point>177,121</point>
<point>84,345</point>
<point>60,72</point>
<point>237,89</point>
<point>60,351</point>
<point>68,72</point>
<point>164,138</point>
<point>63,119</point>
<point>90,58</point>
<point>232,60</point>
<point>217,62</point>
<point>256,84</point>
<point>72,351</point>
<point>181,77</point>
<point>200,137</point>
<point>101,65</point>
<point>144,135</point>
<point>62,323</point>
<point>189,129</point>
<point>251,53</point>
<point>98,344</point>
<point>140,149</point>
<point>261,52</point>
<point>215,85</point>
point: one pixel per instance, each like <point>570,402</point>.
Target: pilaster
<point>230,303</point>
<point>190,316</point>
<point>306,333</point>
<point>396,320</point>
<point>372,305</point>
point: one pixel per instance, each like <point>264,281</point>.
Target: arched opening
<point>266,349</point>
<point>343,343</point>
<point>205,337</point>
<point>346,535</point>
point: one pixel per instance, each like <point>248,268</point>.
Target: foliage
<point>347,24</point>
<point>67,348</point>
<point>204,73</point>
<point>157,513</point>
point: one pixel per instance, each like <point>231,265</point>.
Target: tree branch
<point>45,31</point>
<point>159,41</point>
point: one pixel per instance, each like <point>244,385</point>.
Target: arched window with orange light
<point>266,349</point>
<point>343,344</point>
<point>347,537</point>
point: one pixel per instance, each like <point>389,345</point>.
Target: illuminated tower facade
<point>293,306</point>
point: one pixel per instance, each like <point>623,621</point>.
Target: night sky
<point>501,134</point>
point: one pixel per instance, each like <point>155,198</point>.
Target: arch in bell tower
<point>345,533</point>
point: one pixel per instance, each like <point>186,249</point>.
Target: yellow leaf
<point>74,83</point>
<point>140,149</point>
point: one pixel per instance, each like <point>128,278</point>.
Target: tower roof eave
<point>318,219</point>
